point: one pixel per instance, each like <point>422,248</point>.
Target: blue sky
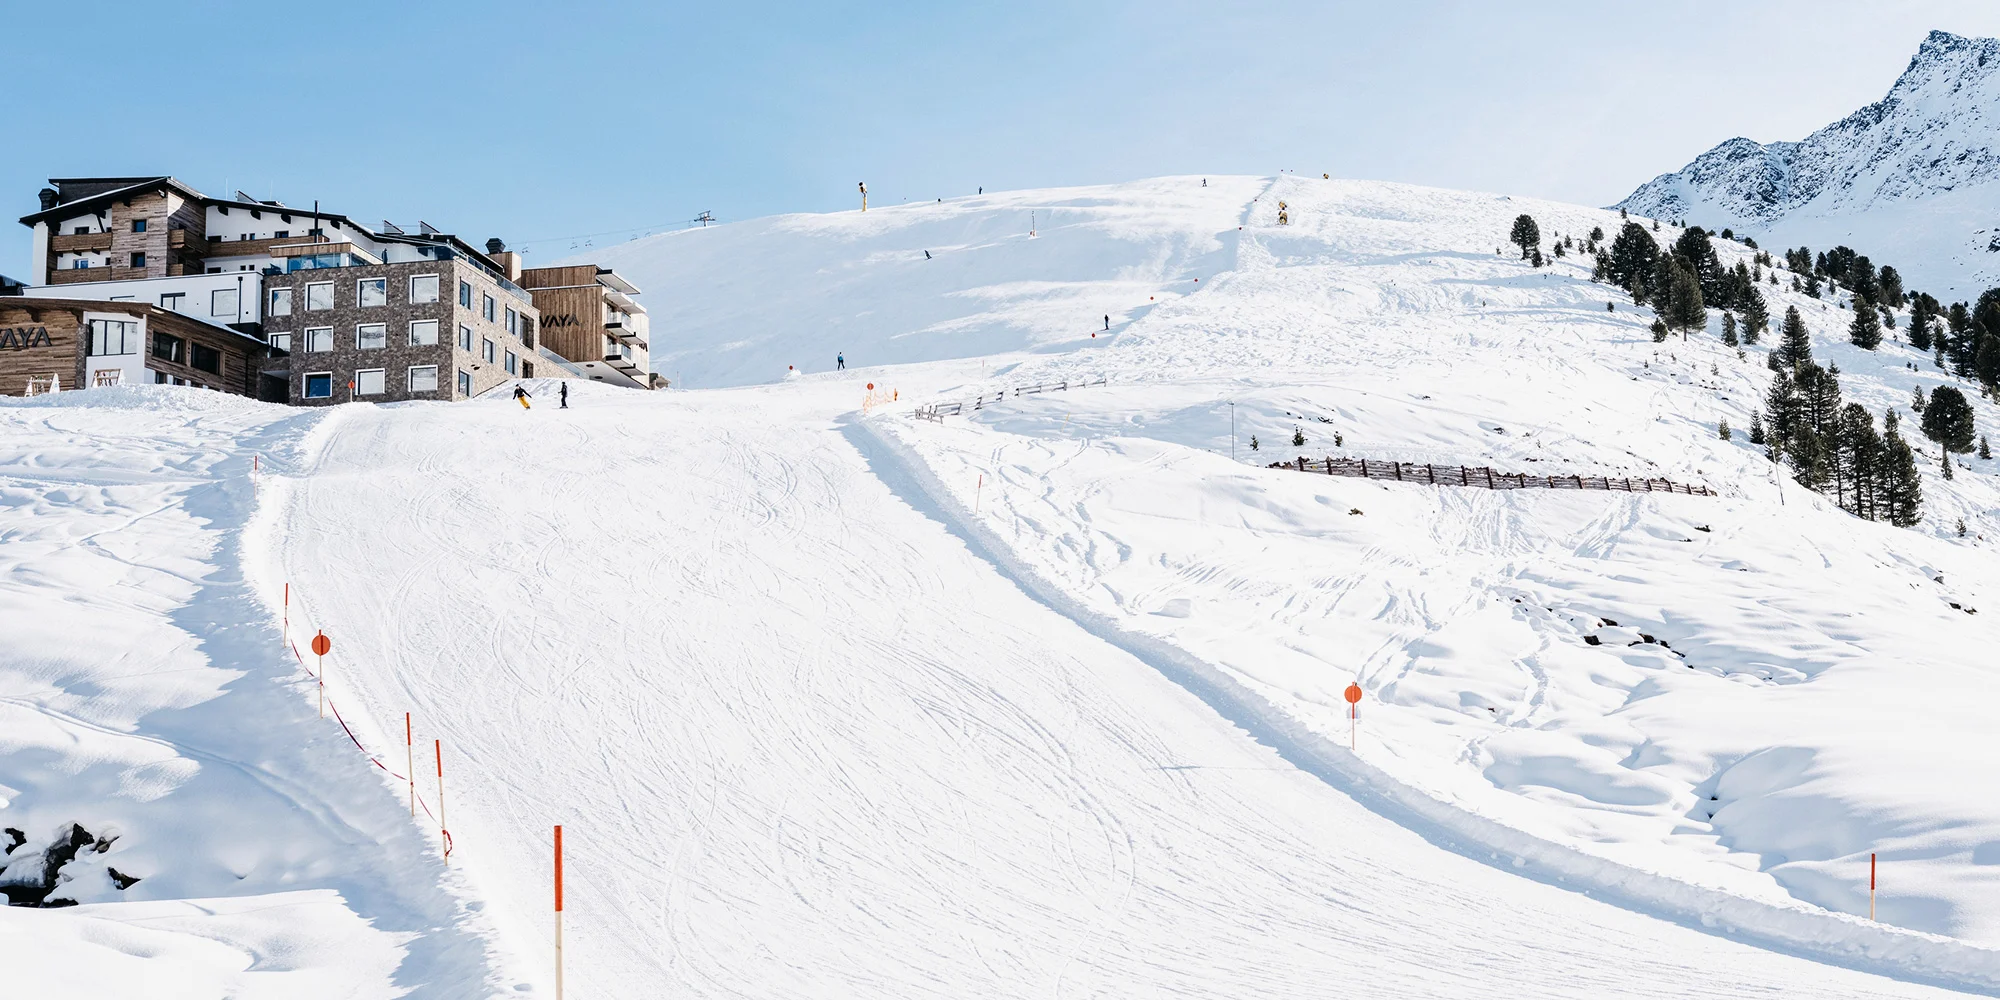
<point>541,123</point>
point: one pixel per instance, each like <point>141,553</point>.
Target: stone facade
<point>343,363</point>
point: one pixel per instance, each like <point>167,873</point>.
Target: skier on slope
<point>521,396</point>
<point>565,396</point>
<point>1107,322</point>
<point>840,362</point>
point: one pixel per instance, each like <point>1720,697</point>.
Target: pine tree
<point>1961,346</point>
<point>1722,429</point>
<point>1866,330</point>
<point>1945,458</point>
<point>1902,487</point>
<point>1756,319</point>
<point>1857,462</point>
<point>1597,234</point>
<point>1756,428</point>
<point>1535,257</point>
<point>1923,315</point>
<point>1659,330</point>
<point>1298,437</point>
<point>1892,287</point>
<point>1684,301</point>
<point>1948,419</point>
<point>1632,259</point>
<point>1819,397</point>
<point>1812,285</point>
<point>1698,254</point>
<point>1795,342</point>
<point>1525,234</point>
<point>1782,407</point>
<point>1812,466</point>
<point>1917,399</point>
<point>1729,329</point>
<point>1985,450</point>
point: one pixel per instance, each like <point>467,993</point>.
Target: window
<point>172,301</point>
<point>281,344</point>
<point>513,322</point>
<point>246,237</point>
<point>371,336</point>
<point>138,260</point>
<point>464,338</point>
<point>528,331</point>
<point>465,294</point>
<point>319,296</point>
<point>222,302</point>
<point>214,270</point>
<point>281,302</point>
<point>423,378</point>
<point>513,364</point>
<point>369,292</point>
<point>370,382</point>
<point>111,336</point>
<point>464,382</point>
<point>282,234</point>
<point>319,385</point>
<point>169,348</point>
<point>319,339</point>
<point>80,231</point>
<point>527,369</point>
<point>488,351</point>
<point>487,308</point>
<point>206,359</point>
<point>423,289</point>
<point>138,225</point>
<point>80,264</point>
<point>423,333</point>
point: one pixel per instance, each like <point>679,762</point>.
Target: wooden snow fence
<point>1482,477</point>
<point>939,411</point>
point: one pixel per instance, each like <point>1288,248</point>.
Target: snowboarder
<point>840,362</point>
<point>927,255</point>
<point>521,396</point>
<point>565,396</point>
<point>1107,322</point>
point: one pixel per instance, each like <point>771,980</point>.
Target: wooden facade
<point>43,337</point>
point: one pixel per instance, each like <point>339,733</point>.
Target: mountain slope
<point>1909,180</point>
<point>1005,272</point>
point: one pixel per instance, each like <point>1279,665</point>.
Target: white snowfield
<point>1042,700</point>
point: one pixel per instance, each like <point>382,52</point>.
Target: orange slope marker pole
<point>444,833</point>
<point>288,613</point>
<point>559,955</point>
<point>410,763</point>
<point>1871,885</point>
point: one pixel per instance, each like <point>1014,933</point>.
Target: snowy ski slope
<point>806,740</point>
<point>1042,700</point>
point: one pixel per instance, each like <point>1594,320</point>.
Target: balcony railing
<point>79,242</point>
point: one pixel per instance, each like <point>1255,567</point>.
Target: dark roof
<point>91,201</point>
<point>127,306</point>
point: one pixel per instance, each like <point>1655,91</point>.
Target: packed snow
<point>1041,699</point>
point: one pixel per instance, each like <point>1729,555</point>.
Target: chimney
<point>48,196</point>
<point>495,245</point>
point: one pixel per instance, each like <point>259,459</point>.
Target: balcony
<point>178,239</point>
<point>84,275</point>
<point>625,335</point>
<point>624,364</point>
<point>79,242</point>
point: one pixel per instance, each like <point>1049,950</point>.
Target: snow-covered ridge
<point>1908,179</point>
<point>1934,133</point>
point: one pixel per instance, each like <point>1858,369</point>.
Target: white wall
<point>132,367</point>
<point>198,289</point>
